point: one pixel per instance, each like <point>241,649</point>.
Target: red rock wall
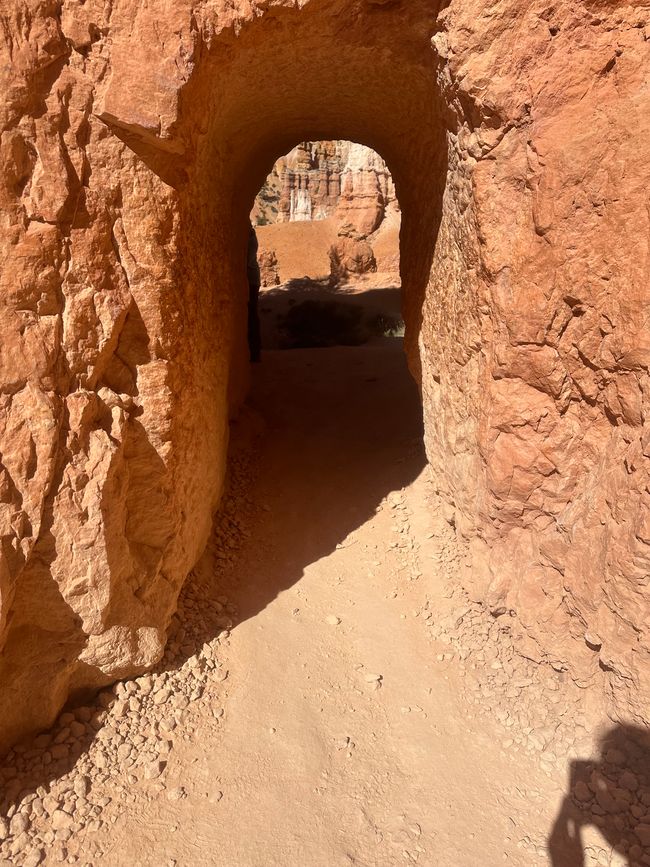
<point>536,343</point>
<point>133,142</point>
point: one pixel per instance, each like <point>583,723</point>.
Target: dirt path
<point>312,710</point>
<point>343,740</point>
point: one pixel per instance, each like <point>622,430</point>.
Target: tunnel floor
<point>335,729</point>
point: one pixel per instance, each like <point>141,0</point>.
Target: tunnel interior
<point>246,104</point>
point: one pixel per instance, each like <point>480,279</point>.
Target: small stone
<point>176,794</point>
<point>33,859</point>
<point>146,684</point>
<point>82,786</point>
<point>642,831</point>
<point>124,751</point>
<point>373,678</point>
<point>51,803</point>
<point>582,791</point>
<point>154,769</point>
<point>19,824</point>
<point>59,751</point>
<point>120,708</point>
<point>629,781</point>
<point>84,714</point>
<point>106,698</point>
<point>333,620</point>
<point>614,756</point>
<point>63,735</point>
<point>61,821</point>
<point>77,729</point>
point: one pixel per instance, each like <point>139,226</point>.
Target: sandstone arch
<point>133,144</point>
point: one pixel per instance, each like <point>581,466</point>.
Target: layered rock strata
<point>133,142</point>
<point>316,180</point>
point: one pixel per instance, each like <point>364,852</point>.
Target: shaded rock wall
<point>133,142</point>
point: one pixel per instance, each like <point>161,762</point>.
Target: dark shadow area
<point>40,760</point>
<point>612,793</point>
<point>306,313</point>
<point>343,430</point>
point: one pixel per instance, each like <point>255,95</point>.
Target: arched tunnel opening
<point>324,249</point>
<point>341,411</point>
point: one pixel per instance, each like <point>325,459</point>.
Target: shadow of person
<point>611,793</point>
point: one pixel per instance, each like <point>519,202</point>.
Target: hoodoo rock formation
<point>316,180</point>
<point>134,138</point>
<point>346,187</point>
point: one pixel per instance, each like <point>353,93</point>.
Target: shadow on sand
<point>611,793</point>
<point>306,313</point>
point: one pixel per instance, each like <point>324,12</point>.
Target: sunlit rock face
<point>134,140</point>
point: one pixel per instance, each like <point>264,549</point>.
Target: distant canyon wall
<point>345,184</point>
<point>346,181</point>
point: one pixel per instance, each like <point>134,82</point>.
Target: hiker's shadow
<point>611,793</point>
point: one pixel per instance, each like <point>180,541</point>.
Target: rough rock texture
<point>536,337</point>
<point>351,254</point>
<point>134,138</point>
<point>321,179</point>
<point>268,268</point>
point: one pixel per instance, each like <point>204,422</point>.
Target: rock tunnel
<point>134,142</point>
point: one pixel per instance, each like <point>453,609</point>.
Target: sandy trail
<point>345,738</point>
